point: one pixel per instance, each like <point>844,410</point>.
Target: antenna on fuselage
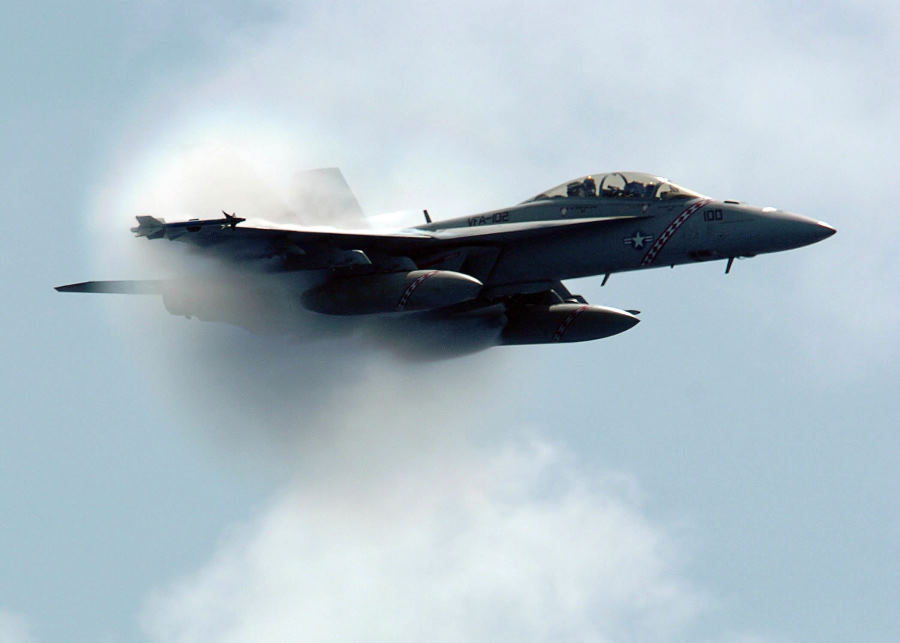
<point>427,217</point>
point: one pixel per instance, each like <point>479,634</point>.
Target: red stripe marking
<point>404,298</point>
<point>567,322</point>
<point>670,230</point>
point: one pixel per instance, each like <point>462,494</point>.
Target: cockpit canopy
<point>618,185</point>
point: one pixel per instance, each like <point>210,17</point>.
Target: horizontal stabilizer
<point>146,287</point>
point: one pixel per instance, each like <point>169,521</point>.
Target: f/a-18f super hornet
<point>508,264</point>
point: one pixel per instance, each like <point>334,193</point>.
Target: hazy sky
<point>727,470</point>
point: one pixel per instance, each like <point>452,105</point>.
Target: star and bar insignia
<point>638,239</point>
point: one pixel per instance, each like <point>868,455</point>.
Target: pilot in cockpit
<point>638,190</point>
<point>582,189</point>
<point>589,186</point>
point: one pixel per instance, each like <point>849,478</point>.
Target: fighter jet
<point>509,264</point>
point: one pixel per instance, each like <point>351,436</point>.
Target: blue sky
<point>724,471</point>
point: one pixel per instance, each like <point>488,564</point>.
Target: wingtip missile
<point>154,228</point>
<point>149,227</point>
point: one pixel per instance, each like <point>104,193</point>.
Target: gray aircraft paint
<point>513,258</point>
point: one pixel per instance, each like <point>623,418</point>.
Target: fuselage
<point>644,233</point>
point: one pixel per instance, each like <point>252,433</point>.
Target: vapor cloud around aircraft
<point>461,284</point>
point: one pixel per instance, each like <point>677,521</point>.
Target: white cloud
<point>510,544</point>
<point>460,108</point>
<point>387,536</point>
<point>14,627</point>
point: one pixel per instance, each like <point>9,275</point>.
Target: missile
<point>149,227</point>
<point>154,228</point>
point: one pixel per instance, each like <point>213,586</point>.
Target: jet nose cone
<point>799,230</point>
<point>825,230</point>
<point>815,231</point>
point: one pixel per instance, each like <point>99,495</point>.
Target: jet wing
<point>230,238</point>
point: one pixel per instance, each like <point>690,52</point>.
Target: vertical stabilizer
<point>323,197</point>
